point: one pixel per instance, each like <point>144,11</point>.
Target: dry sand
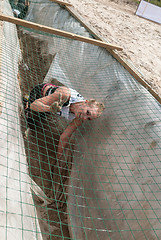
<point>140,38</point>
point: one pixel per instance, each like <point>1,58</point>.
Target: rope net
<point>106,185</point>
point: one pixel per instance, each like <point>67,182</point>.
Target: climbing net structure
<point>107,183</point>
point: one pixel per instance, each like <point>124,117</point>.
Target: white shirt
<point>75,97</point>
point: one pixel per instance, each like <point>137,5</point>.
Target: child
<point>65,102</point>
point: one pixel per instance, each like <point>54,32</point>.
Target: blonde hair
<point>99,105</point>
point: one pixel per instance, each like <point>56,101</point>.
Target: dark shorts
<point>34,118</point>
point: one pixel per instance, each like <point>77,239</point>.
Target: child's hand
<point>57,106</point>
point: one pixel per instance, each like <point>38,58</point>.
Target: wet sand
<point>41,144</point>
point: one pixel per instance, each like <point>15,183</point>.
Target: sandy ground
<point>41,142</point>
<point>140,38</point>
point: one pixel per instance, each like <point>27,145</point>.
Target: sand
<point>140,38</point>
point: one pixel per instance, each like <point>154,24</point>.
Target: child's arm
<point>65,136</point>
<point>44,104</point>
<point>39,106</point>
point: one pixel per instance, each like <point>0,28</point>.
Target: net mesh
<point>106,185</point>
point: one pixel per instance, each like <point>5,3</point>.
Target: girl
<point>65,102</point>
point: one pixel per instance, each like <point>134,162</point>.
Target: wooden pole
<point>61,3</point>
<point>55,31</point>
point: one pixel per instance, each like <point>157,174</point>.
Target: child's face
<point>86,112</point>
